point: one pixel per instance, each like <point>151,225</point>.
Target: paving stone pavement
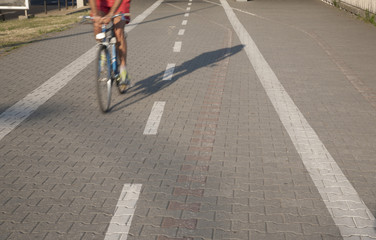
<point>222,165</point>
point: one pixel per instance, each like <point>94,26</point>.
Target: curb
<point>83,9</point>
<point>348,7</point>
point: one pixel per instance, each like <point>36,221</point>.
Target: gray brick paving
<point>62,170</point>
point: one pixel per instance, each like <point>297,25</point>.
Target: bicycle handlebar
<point>117,15</point>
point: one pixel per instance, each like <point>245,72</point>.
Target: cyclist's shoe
<point>124,81</point>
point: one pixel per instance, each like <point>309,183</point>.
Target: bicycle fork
<point>114,64</point>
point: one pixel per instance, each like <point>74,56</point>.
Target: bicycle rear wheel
<point>103,79</point>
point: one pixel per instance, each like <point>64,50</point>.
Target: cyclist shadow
<point>147,87</point>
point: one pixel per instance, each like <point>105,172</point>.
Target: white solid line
<point>181,32</point>
<point>142,16</point>
<point>169,72</point>
<point>347,209</point>
<point>237,9</point>
<point>177,46</point>
<point>17,113</point>
<point>186,15</point>
<point>184,22</point>
<point>154,119</point>
<point>124,212</point>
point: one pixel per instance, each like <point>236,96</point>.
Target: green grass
<point>335,3</point>
<point>16,33</point>
<point>370,18</point>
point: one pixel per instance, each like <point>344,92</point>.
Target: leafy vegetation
<point>335,3</point>
<point>370,18</point>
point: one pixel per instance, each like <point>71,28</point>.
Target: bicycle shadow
<point>147,87</point>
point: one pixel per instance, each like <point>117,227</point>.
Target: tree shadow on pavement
<point>147,87</point>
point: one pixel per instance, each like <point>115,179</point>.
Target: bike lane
<point>220,166</point>
<point>175,202</point>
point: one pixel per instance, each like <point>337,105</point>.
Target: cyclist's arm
<point>93,7</point>
<point>114,8</point>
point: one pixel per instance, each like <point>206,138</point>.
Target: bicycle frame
<point>106,72</point>
<point>110,42</point>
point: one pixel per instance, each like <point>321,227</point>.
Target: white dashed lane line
<point>154,119</point>
<point>169,72</point>
<point>350,214</point>
<point>125,208</point>
<point>177,46</point>
<point>181,32</point>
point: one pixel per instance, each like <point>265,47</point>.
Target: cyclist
<point>102,11</point>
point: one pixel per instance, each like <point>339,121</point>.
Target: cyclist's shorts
<point>105,6</point>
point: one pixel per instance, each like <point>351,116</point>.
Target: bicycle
<point>107,67</point>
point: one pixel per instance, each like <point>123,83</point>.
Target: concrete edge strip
<point>122,219</point>
<point>347,209</point>
<point>17,113</point>
<point>154,119</point>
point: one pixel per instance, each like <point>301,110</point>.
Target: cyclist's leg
<point>119,32</point>
<point>121,45</point>
<point>121,42</point>
<point>121,36</point>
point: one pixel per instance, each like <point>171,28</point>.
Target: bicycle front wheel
<point>103,79</point>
